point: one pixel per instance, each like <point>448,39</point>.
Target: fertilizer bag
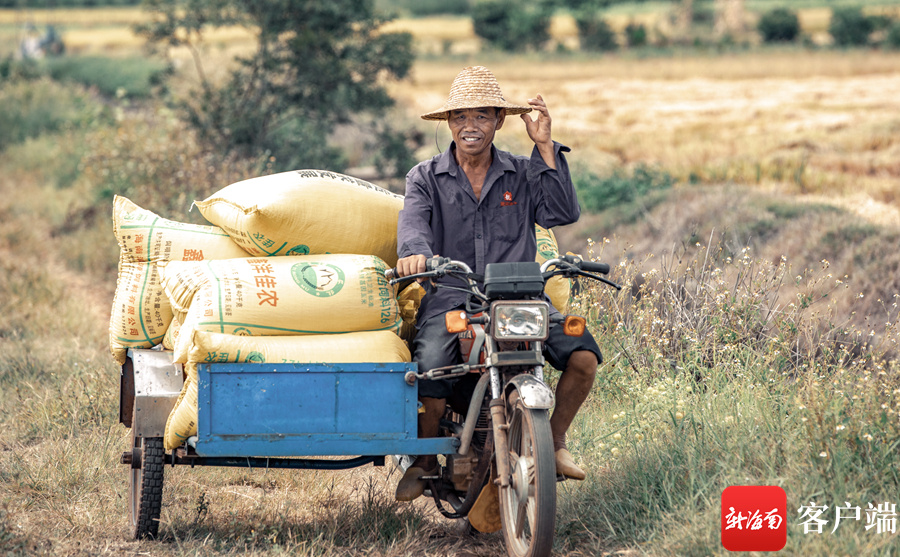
<point>141,312</point>
<point>557,288</point>
<point>307,212</point>
<point>281,296</point>
<point>365,346</point>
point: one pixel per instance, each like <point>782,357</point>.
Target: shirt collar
<point>446,163</point>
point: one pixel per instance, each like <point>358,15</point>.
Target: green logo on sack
<point>546,249</point>
<point>255,357</point>
<point>302,249</point>
<point>319,279</point>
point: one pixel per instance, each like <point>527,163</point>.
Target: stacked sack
<point>141,313</point>
<point>313,289</point>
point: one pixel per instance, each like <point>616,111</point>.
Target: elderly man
<point>478,204</point>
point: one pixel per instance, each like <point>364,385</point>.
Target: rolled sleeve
<point>556,202</point>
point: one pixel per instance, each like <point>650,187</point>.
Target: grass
<point>738,361</point>
<point>120,77</point>
<point>713,379</point>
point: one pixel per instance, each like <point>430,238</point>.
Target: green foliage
<point>120,77</point>
<point>892,40</point>
<point>423,8</point>
<point>779,25</point>
<point>597,193</point>
<point>29,109</point>
<point>39,4</point>
<point>510,25</point>
<point>851,27</point>
<point>636,34</point>
<point>317,65</point>
<point>594,33</point>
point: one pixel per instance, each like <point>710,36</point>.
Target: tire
<point>146,486</point>
<point>528,505</point>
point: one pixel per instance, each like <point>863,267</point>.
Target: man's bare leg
<point>571,391</point>
<point>410,486</point>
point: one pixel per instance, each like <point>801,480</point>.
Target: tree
<point>850,26</point>
<point>510,26</point>
<point>316,65</point>
<point>779,25</point>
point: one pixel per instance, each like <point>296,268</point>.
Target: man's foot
<point>411,486</point>
<point>565,466</point>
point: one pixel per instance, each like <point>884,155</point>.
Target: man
<point>478,204</point>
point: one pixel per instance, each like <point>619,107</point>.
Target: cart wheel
<point>146,486</point>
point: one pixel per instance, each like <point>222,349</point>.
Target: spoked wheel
<point>146,486</point>
<point>528,505</point>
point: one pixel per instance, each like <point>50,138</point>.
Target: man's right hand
<point>411,265</point>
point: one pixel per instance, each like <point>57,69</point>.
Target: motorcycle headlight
<point>520,320</point>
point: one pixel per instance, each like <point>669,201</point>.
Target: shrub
<point>594,32</point>
<point>850,27</point>
<point>134,77</point>
<point>600,193</point>
<point>892,40</point>
<point>510,26</point>
<point>636,34</point>
<point>420,8</point>
<point>31,108</point>
<point>779,25</point>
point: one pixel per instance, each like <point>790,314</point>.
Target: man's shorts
<point>434,347</point>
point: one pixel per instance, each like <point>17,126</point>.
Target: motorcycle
<point>505,456</point>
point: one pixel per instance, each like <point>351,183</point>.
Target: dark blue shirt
<point>441,215</point>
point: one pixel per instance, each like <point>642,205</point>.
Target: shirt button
<point>478,236</point>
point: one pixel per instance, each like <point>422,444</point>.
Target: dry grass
<point>804,122</point>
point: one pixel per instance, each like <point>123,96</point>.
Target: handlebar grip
<point>433,263</point>
<point>391,273</point>
<point>592,267</point>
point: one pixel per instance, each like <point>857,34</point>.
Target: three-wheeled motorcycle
<point>495,445</point>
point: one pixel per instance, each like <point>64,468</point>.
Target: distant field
<point>812,122</point>
<point>109,28</point>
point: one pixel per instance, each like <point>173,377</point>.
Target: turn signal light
<point>574,325</point>
<point>456,321</point>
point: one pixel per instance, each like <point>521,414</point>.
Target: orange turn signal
<point>574,325</point>
<point>456,321</point>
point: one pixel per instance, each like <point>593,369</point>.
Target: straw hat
<point>475,87</point>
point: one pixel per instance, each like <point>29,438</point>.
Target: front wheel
<point>528,505</point>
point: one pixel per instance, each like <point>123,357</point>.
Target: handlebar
<point>434,267</point>
<point>571,265</point>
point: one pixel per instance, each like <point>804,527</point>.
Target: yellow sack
<point>307,212</point>
<point>282,296</point>
<point>366,346</point>
<point>409,300</point>
<point>141,312</point>
<point>558,288</point>
<point>182,420</point>
<point>173,332</point>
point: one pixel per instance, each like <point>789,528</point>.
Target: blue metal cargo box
<point>265,409</point>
